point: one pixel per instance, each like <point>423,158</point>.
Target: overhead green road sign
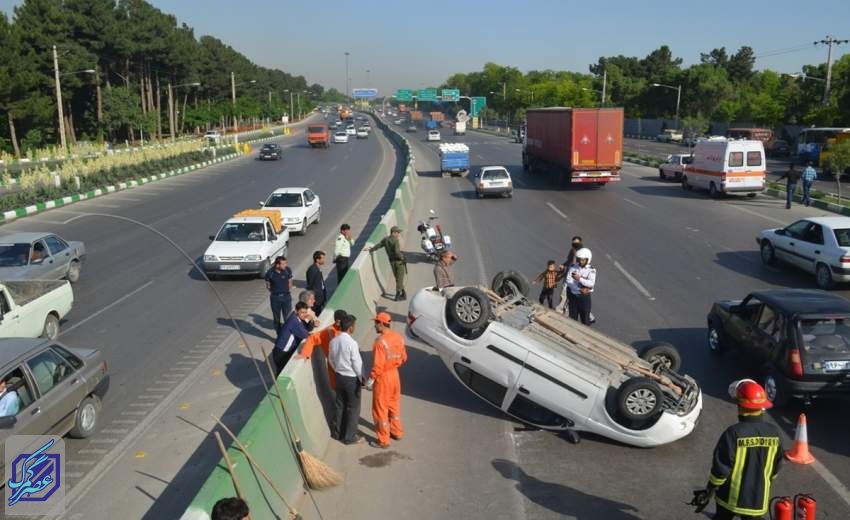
<point>404,94</point>
<point>478,103</point>
<point>450,94</point>
<point>426,94</point>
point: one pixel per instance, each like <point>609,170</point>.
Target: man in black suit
<point>316,281</point>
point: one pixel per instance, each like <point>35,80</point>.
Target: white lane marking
<point>831,480</point>
<point>757,214</point>
<point>332,168</point>
<point>101,311</point>
<point>634,281</point>
<point>634,203</point>
<point>130,199</point>
<point>559,212</point>
<point>104,205</point>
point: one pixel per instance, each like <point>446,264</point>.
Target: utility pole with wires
<point>829,41</point>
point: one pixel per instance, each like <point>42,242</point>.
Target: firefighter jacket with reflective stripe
<point>746,459</point>
<point>388,353</point>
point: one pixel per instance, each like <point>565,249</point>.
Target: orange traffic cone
<point>799,453</point>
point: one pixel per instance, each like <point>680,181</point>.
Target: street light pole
<point>233,99</point>
<point>678,90</point>
<point>347,79</point>
<point>604,85</point>
<point>62,142</point>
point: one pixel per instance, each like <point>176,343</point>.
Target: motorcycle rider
<point>581,278</point>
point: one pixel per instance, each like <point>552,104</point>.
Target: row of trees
<point>721,87</point>
<point>128,70</point>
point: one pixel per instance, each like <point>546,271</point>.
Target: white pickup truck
<point>246,244</point>
<point>32,309</point>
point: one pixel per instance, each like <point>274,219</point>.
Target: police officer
<point>342,251</point>
<point>581,278</point>
<point>392,244</point>
<point>746,459</point>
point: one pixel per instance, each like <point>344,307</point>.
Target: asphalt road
<point>147,308</point>
<point>663,256</point>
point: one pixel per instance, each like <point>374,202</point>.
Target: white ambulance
<point>720,167</point>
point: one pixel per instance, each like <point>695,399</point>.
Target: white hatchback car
<point>674,166</point>
<point>299,207</point>
<point>340,137</point>
<point>551,372</point>
<point>433,135</point>
<point>494,180</point>
<point>350,130</point>
<point>817,245</point>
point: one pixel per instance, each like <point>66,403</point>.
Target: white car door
<point>10,324</point>
<point>313,206</point>
<point>810,248</point>
<point>551,396</point>
<point>786,246</point>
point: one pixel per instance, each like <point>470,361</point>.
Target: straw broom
<point>317,474</point>
<point>226,457</point>
<point>293,514</point>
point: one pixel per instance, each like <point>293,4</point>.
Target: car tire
<point>775,388</point>
<point>685,185</point>
<point>86,419</point>
<point>823,277</point>
<point>639,399</point>
<point>264,268</point>
<point>507,283</point>
<point>510,195</point>
<point>752,195</point>
<point>662,174</point>
<point>304,226</point>
<point>663,353</point>
<point>469,308</point>
<point>74,270</point>
<point>768,253</point>
<point>51,327</point>
<point>480,195</point>
<point>713,192</point>
<point>714,339</point>
<point>318,216</point>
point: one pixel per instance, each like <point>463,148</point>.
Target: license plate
<point>836,365</point>
<point>230,268</point>
<point>492,184</point>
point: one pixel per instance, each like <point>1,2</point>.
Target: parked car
<point>674,166</point>
<point>33,309</point>
<point>340,137</point>
<point>494,180</point>
<point>213,137</point>
<point>362,133</point>
<point>817,245</point>
<point>246,244</point>
<point>270,151</point>
<point>777,148</point>
<point>433,135</point>
<point>670,136</point>
<point>546,370</point>
<point>59,388</point>
<point>298,207</point>
<point>797,340</point>
<point>40,256</point>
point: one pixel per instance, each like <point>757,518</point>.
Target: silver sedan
<point>40,256</point>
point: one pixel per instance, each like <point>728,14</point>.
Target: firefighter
<point>746,459</point>
<point>388,353</point>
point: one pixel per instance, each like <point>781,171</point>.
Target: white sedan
<point>433,135</point>
<point>362,133</point>
<point>298,207</point>
<point>551,372</point>
<point>817,245</point>
<point>340,137</point>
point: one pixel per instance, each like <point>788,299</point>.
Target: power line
<point>787,50</point>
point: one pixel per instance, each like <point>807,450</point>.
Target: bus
<point>811,141</point>
<point>765,135</point>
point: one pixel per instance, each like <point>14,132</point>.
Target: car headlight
<point>210,258</point>
<point>292,220</point>
<point>253,258</point>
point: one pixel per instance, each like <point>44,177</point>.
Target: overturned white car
<point>548,371</point>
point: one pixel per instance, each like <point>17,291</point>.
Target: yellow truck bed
<point>272,215</point>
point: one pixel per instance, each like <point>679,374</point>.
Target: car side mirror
<point>212,237</point>
<point>308,204</point>
<point>780,232</point>
<point>8,421</point>
<point>37,261</point>
<point>262,203</point>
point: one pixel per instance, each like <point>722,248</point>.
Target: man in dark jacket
<point>316,281</point>
<point>792,176</point>
<point>293,332</point>
<point>746,459</point>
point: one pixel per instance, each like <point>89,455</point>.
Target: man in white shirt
<point>581,278</point>
<point>10,401</point>
<point>348,366</point>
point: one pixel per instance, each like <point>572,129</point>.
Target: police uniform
<point>746,460</point>
<point>578,300</point>
<point>396,258</point>
<point>342,253</point>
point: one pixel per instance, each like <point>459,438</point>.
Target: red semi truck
<point>585,143</point>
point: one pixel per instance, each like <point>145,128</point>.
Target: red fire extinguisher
<point>805,507</point>
<point>782,508</point>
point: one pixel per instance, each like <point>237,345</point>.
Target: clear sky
<point>420,43</point>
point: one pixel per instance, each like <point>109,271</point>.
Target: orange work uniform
<point>322,339</point>
<point>388,353</point>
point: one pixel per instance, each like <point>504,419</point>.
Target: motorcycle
<point>434,242</point>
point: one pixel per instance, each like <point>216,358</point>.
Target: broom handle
<point>283,429</point>
<point>292,431</point>
<point>226,457</point>
<point>253,462</point>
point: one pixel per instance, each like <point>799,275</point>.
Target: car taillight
<point>795,362</point>
<point>845,259</point>
<point>438,228</point>
<point>410,319</point>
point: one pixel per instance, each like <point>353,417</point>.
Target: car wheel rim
<point>74,271</point>
<point>713,339</point>
<point>641,401</point>
<point>468,309</point>
<point>87,416</point>
<point>766,253</point>
<point>770,388</point>
<point>51,331</point>
<point>823,276</point>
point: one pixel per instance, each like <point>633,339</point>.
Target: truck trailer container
<point>586,144</point>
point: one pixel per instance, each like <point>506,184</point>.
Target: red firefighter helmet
<point>750,395</point>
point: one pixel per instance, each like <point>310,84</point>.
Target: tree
<point>740,66</point>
